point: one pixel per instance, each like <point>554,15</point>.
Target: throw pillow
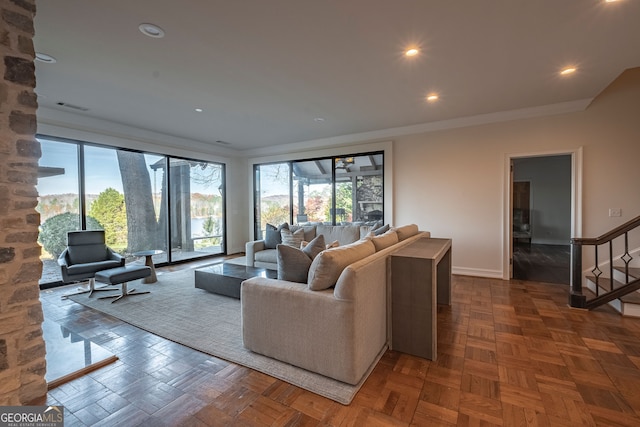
<point>293,264</point>
<point>381,230</point>
<point>328,265</point>
<point>272,235</point>
<point>292,239</point>
<point>314,247</point>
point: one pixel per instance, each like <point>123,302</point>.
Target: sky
<point>102,170</point>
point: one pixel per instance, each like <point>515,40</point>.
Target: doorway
<point>542,215</point>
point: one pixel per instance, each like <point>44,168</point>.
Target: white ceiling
<point>263,70</point>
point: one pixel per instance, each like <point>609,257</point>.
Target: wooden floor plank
<point>509,353</point>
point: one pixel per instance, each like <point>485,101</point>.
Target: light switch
<point>615,212</point>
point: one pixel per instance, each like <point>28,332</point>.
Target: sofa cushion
<point>292,239</point>
<point>406,231</point>
<point>344,234</point>
<point>293,264</point>
<point>384,240</point>
<point>267,255</point>
<point>314,247</point>
<point>272,235</point>
<point>328,265</point>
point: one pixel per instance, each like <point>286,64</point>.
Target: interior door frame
<point>576,200</point>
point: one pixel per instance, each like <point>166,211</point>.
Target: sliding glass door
<point>129,195</point>
<point>197,208</point>
<point>121,200</point>
<point>272,195</point>
<point>331,190</point>
<point>58,202</point>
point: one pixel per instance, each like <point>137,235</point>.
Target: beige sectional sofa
<point>339,329</point>
<point>258,254</point>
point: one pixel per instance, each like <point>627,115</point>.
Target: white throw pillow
<point>292,239</point>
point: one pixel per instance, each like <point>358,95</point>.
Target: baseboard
<point>478,272</point>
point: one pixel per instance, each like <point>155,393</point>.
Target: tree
<point>109,209</point>
<point>273,213</point>
<point>53,232</point>
<point>142,230</point>
<point>344,199</point>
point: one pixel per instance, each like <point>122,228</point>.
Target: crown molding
<point>481,119</point>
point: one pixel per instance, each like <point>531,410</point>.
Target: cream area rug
<point>209,323</point>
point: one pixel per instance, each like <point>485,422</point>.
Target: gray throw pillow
<point>272,235</point>
<point>314,247</point>
<point>293,264</point>
<point>381,230</point>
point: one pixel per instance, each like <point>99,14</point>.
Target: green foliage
<point>208,225</point>
<point>109,209</point>
<point>344,200</point>
<point>53,232</point>
<point>273,213</point>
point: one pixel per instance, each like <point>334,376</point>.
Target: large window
<point>196,206</point>
<point>124,192</point>
<point>122,200</point>
<point>58,202</point>
<point>332,190</point>
<point>272,195</point>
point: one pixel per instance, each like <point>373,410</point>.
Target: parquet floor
<point>510,354</point>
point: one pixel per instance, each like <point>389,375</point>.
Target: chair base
<point>124,293</point>
<point>91,289</point>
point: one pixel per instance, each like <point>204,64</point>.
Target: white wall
<point>452,182</point>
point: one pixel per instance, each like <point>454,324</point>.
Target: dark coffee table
<point>225,279</point>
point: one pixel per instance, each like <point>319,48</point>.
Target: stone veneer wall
<point>22,349</point>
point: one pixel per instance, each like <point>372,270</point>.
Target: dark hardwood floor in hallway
<point>509,353</point>
<point>542,263</point>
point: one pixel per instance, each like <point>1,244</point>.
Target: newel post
<point>576,298</point>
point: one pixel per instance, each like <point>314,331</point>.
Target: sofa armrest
<point>250,249</point>
<point>287,321</point>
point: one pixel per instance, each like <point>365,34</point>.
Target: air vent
<point>72,106</point>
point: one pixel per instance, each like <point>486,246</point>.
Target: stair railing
<point>577,298</point>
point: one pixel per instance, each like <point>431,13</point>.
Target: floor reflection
<point>69,355</point>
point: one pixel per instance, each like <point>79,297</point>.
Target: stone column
<point>22,349</point>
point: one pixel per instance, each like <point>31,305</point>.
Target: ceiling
<point>275,72</point>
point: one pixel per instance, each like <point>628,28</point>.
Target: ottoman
<point>123,275</point>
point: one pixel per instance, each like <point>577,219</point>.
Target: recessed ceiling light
<point>411,52</point>
<point>432,97</point>
<point>43,57</point>
<point>151,30</point>
<point>567,71</point>
<point>199,110</point>
<point>318,119</point>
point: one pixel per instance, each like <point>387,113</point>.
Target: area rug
<point>209,323</point>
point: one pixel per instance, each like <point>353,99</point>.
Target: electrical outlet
<point>615,212</point>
